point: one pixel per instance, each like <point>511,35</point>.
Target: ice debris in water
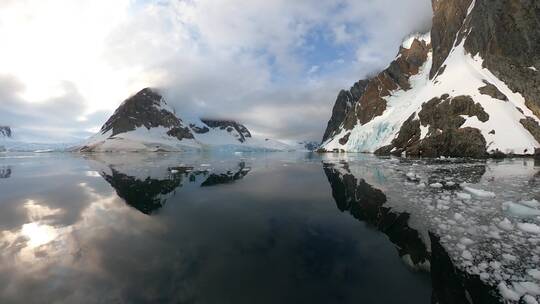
<point>479,193</point>
<point>486,214</point>
<point>528,227</point>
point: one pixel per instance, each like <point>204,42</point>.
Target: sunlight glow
<point>38,234</point>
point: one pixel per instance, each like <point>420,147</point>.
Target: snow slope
<point>462,75</point>
<point>145,123</point>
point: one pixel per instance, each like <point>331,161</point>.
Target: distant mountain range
<point>145,122</point>
<point>468,88</point>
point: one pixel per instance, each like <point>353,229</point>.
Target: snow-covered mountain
<point>469,87</point>
<point>145,122</point>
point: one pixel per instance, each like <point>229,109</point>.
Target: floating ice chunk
<point>495,265</point>
<point>174,171</point>
<point>205,165</point>
<point>436,185</point>
<point>509,257</point>
<point>466,254</point>
<point>506,225</point>
<point>466,241</point>
<point>529,299</point>
<point>507,293</point>
<point>464,196</point>
<point>520,210</point>
<point>458,217</point>
<point>479,192</point>
<point>450,184</point>
<point>531,288</point>
<point>528,227</point>
<point>532,203</point>
<point>535,273</point>
<point>533,68</point>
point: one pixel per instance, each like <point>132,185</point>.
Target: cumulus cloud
<point>246,60</point>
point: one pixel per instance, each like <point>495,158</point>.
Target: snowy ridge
<point>146,123</point>
<point>463,75</point>
<point>381,130</point>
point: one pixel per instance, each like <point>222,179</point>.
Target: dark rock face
<point>345,139</point>
<point>5,131</point>
<point>444,137</point>
<point>448,17</point>
<point>238,130</point>
<point>491,90</point>
<point>146,108</point>
<point>344,103</point>
<point>199,130</point>
<point>506,34</point>
<point>532,126</point>
<point>445,112</point>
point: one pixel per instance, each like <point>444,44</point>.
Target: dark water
<point>252,228</point>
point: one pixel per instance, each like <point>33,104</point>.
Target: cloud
<point>52,120</point>
<point>246,60</point>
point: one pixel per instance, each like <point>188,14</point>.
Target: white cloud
<point>234,58</point>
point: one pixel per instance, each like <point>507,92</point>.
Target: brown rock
<point>345,138</point>
<point>491,90</point>
<point>531,125</point>
<point>448,18</point>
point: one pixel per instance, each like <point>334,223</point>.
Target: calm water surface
<point>251,228</point>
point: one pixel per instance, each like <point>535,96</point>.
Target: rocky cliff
<point>467,88</point>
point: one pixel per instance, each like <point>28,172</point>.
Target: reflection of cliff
<point>5,172</point>
<point>227,177</point>
<point>148,194</point>
<point>367,204</point>
<point>453,286</point>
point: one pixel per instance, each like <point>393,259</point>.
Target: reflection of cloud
<point>38,234</point>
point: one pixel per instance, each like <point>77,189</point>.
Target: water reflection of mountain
<point>5,172</point>
<point>150,193</point>
<point>367,204</point>
<point>227,177</point>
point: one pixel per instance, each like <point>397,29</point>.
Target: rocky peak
<point>345,101</point>
<point>5,131</point>
<point>448,18</point>
<point>238,130</point>
<point>365,100</point>
<point>506,34</point>
<point>146,108</point>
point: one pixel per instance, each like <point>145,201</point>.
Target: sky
<point>276,66</point>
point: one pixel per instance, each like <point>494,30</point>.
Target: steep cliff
<point>468,88</point>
